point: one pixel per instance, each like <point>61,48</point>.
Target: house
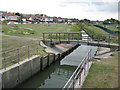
<point>70,20</point>
<point>48,19</point>
<point>10,16</point>
<point>1,17</point>
<point>13,22</point>
<point>59,19</point>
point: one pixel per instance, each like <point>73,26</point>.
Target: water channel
<point>59,72</point>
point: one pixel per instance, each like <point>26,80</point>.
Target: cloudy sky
<point>90,9</point>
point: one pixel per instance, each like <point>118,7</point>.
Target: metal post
<point>56,35</point>
<point>98,39</point>
<point>43,36</point>
<point>64,35</point>
<point>28,52</point>
<point>80,79</point>
<point>51,38</point>
<point>37,49</point>
<point>18,55</point>
<point>68,37</point>
<point>59,37</point>
<point>48,62</point>
<point>73,81</point>
<point>109,40</point>
<point>78,38</point>
<point>72,36</point>
<point>5,60</point>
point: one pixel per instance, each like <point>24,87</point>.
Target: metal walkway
<point>77,55</point>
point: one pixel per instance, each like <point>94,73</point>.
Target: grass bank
<point>26,50</point>
<point>103,74</point>
<point>9,43</point>
<point>34,30</point>
<point>104,34</point>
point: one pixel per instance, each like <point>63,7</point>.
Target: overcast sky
<point>90,9</point>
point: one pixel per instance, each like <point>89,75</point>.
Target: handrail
<point>75,73</point>
<point>17,54</point>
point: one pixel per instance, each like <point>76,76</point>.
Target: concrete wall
<point>25,70</point>
<point>36,64</point>
<point>10,77</point>
<point>18,73</point>
<point>51,59</point>
<point>44,62</point>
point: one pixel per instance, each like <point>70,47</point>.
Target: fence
<point>59,36</point>
<point>77,73</point>
<point>16,55</point>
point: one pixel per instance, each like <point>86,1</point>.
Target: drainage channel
<point>59,72</point>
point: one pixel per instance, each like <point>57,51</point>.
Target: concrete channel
<point>58,73</point>
<point>50,71</point>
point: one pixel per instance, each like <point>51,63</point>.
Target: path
<point>20,37</point>
<point>85,36</point>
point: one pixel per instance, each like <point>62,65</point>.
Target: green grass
<point>111,27</point>
<point>34,30</point>
<point>10,43</point>
<point>91,29</point>
<point>28,30</point>
<point>103,74</point>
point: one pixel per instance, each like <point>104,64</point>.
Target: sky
<point>89,9</point>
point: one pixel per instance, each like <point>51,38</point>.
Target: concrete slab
<point>103,53</point>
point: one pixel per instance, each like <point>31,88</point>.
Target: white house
<point>1,17</point>
<point>24,19</point>
<point>10,16</point>
<point>48,19</point>
<point>11,22</point>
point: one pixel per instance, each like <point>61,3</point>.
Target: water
<point>59,72</point>
<point>54,76</point>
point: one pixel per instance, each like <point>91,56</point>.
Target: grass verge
<point>103,74</point>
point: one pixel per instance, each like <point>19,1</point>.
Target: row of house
<point>12,18</point>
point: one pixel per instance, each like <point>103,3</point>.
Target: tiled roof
<point>9,14</point>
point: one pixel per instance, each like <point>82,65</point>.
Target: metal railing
<point>78,36</point>
<point>77,73</point>
<point>16,55</point>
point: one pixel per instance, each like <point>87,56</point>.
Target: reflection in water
<point>54,76</point>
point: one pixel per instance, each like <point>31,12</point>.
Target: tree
<point>17,14</point>
<point>110,21</point>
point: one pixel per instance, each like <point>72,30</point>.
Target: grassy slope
<point>93,29</point>
<point>111,27</point>
<point>103,74</point>
<point>38,29</point>
<point>9,43</point>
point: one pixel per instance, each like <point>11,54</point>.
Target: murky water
<point>54,76</point>
<point>57,74</point>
